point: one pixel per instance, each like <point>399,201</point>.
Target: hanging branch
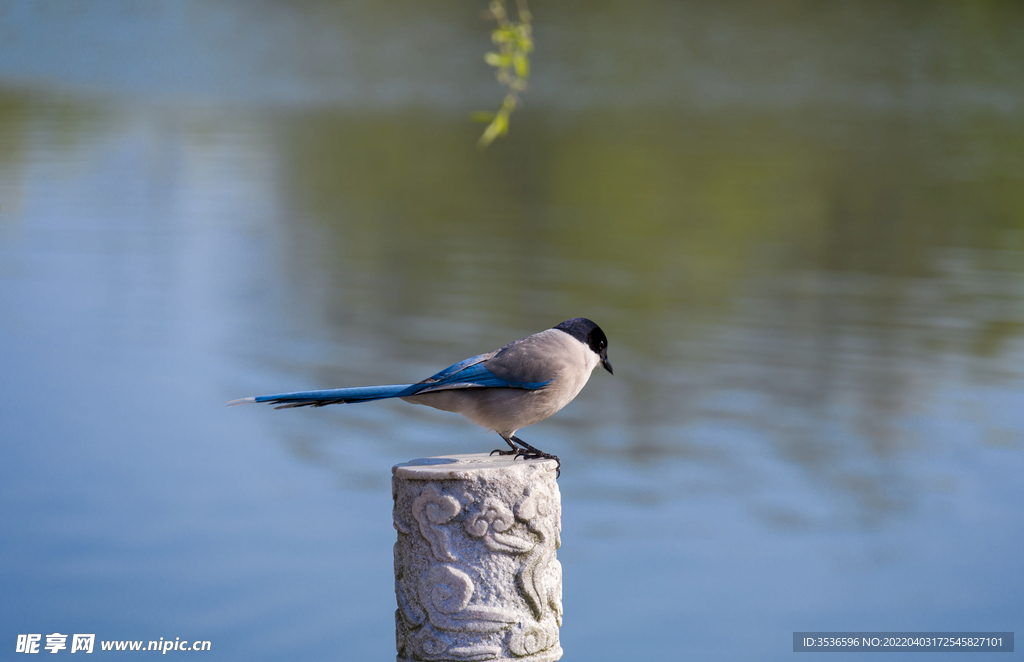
<point>512,60</point>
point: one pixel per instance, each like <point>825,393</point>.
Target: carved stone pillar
<point>476,576</point>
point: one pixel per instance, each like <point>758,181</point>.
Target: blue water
<point>808,257</point>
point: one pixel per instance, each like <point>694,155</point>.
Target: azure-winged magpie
<point>514,386</point>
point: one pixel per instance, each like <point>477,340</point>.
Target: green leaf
<point>501,122</point>
<point>489,134</point>
<point>498,127</point>
<point>522,64</point>
<point>523,38</point>
<point>499,60</point>
<point>502,36</point>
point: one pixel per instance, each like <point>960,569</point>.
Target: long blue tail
<point>332,396</point>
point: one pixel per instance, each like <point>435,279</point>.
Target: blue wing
<point>470,373</point>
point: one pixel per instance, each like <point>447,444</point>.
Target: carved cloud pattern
<point>441,613</point>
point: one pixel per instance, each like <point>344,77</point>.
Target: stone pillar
<point>476,576</point>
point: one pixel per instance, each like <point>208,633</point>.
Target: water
<point>802,230</point>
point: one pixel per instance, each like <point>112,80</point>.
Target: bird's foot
<point>521,449</point>
<point>528,452</point>
<point>541,455</point>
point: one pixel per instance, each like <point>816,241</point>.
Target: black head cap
<point>589,334</point>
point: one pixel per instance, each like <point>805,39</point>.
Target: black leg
<point>531,453</point>
<point>515,449</point>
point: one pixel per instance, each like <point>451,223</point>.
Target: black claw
<point>528,452</point>
<point>531,453</point>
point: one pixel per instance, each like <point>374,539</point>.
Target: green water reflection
<point>805,257</point>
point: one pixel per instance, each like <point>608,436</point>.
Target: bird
<point>504,390</point>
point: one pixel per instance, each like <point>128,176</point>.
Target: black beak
<point>607,366</point>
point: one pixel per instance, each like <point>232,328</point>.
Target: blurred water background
<point>800,224</point>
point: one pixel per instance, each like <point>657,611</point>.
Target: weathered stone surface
<point>476,576</point>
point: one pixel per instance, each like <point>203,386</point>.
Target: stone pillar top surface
<point>463,467</point>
